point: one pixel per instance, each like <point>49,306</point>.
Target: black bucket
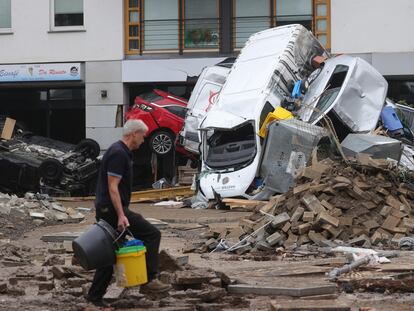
<point>95,248</point>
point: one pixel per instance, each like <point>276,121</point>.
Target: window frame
<point>327,18</point>
<point>127,24</point>
<point>273,21</point>
<point>182,19</point>
<point>8,30</point>
<point>54,28</point>
<point>181,31</point>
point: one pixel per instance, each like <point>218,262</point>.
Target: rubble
<point>363,203</point>
<point>193,288</point>
<point>18,215</point>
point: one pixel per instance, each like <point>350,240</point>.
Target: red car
<point>164,115</point>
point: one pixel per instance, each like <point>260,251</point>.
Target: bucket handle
<point>122,233</point>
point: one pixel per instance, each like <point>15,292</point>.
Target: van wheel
<point>51,169</point>
<point>161,142</point>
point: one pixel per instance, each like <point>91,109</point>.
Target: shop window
<point>160,24</point>
<point>5,15</point>
<point>67,13</point>
<point>250,17</point>
<point>201,27</point>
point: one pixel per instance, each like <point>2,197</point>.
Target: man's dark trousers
<point>141,229</point>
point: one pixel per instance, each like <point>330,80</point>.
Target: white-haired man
<point>113,194</point>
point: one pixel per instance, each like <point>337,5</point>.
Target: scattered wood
<point>282,291</point>
<point>320,305</point>
<point>144,196</point>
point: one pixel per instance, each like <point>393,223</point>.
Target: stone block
<point>280,220</point>
<point>308,216</point>
<point>304,228</point>
<point>275,239</point>
<point>325,218</point>
<point>312,203</point>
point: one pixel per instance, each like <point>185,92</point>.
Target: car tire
<point>51,170</point>
<point>88,147</point>
<point>162,143</point>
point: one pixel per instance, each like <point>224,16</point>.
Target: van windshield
<point>233,148</point>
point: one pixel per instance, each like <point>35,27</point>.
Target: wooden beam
<point>144,196</point>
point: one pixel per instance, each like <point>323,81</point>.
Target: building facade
<point>70,69</point>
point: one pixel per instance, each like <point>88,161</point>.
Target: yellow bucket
<point>130,267</point>
<point>278,114</point>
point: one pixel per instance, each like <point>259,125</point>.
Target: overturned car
<point>35,163</point>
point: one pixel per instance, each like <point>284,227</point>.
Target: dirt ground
<point>184,226</point>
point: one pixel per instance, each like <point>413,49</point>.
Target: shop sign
<point>40,72</point>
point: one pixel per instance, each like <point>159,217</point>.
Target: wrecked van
<point>203,98</point>
<point>261,77</point>
<point>349,90</point>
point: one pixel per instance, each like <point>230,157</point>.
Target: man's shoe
<point>99,302</point>
<point>154,286</point>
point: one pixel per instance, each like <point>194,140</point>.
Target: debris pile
<point>30,211</point>
<point>334,203</point>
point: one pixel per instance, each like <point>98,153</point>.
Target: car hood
<point>221,120</point>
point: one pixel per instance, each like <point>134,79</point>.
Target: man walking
<point>113,194</point>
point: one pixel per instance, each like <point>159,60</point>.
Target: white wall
<point>32,41</point>
<point>369,26</point>
<point>101,113</point>
<point>164,70</point>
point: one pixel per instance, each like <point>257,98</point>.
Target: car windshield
<point>324,103</point>
<point>177,110</point>
<point>231,148</point>
<point>329,96</point>
<point>151,97</point>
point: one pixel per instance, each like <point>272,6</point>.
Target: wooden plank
<point>161,194</point>
<point>396,267</point>
<point>143,196</point>
<point>316,305</point>
<point>308,306</point>
<point>282,291</point>
<point>8,128</point>
<point>243,202</point>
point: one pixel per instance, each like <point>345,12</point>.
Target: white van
<point>202,99</point>
<point>261,77</point>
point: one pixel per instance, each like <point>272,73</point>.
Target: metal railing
<point>173,34</point>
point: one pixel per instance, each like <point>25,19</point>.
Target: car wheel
<point>88,147</point>
<point>51,169</point>
<point>162,142</point>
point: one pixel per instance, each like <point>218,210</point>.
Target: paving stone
<point>76,282</point>
<point>3,287</point>
<point>280,220</point>
<point>297,214</point>
<point>197,276</point>
<point>274,239</point>
<point>324,217</point>
<point>210,307</point>
<point>313,204</point>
